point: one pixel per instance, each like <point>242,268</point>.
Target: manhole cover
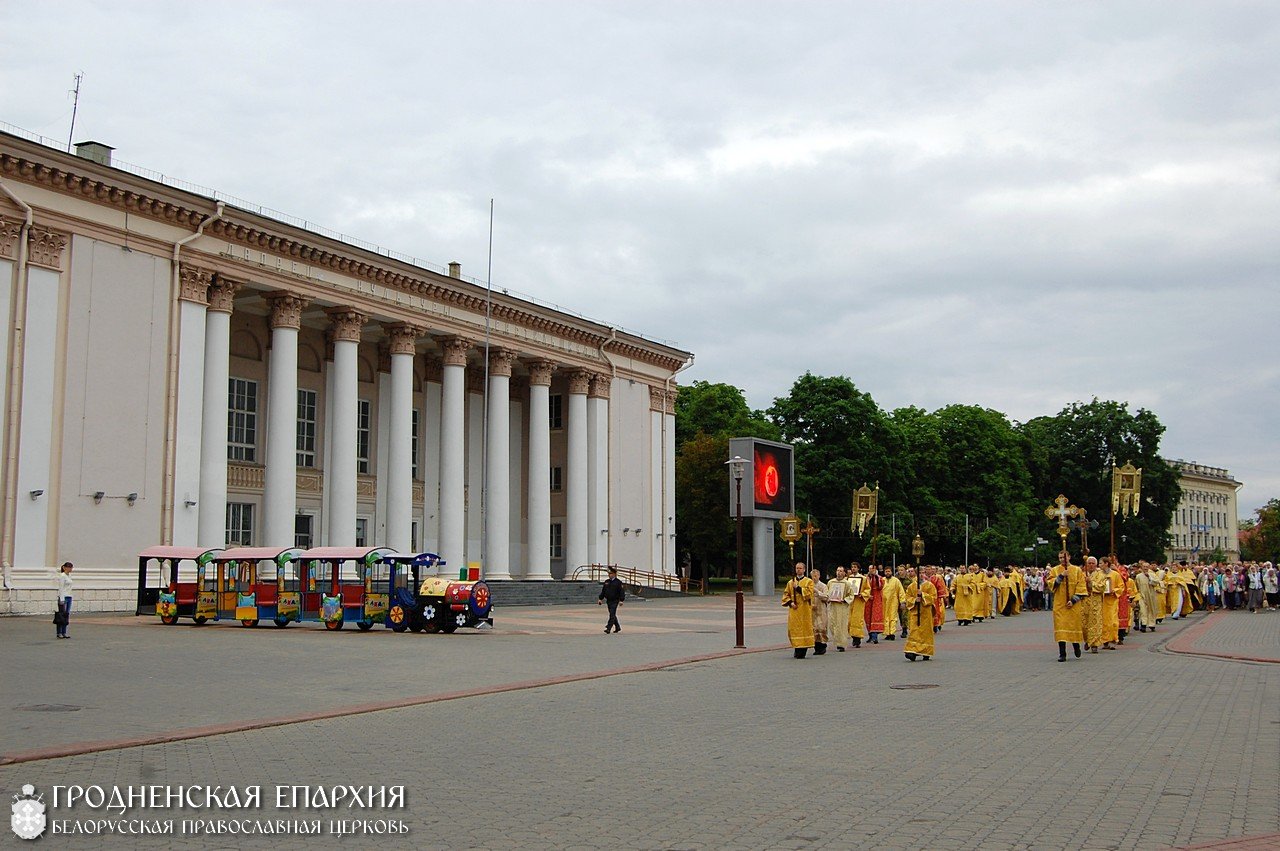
<point>49,707</point>
<point>916,685</point>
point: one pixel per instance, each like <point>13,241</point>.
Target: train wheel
<point>417,627</point>
<point>430,618</point>
<point>168,620</point>
<point>456,620</point>
<point>365,626</point>
<point>281,622</point>
<point>200,621</point>
<point>333,624</point>
<point>398,618</point>
<point>249,623</point>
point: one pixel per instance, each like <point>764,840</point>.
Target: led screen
<point>768,476</point>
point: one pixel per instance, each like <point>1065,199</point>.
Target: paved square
<point>571,738</point>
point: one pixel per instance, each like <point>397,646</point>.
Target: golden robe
<point>1160,590</point>
<point>1190,591</point>
<point>1148,599</point>
<point>1066,617</point>
<point>798,598</point>
<point>819,612</point>
<point>963,588</point>
<point>891,594</point>
<point>1005,587</point>
<point>990,588</point>
<point>920,618</point>
<point>1019,590</point>
<point>838,593</point>
<point>858,607</point>
<point>1112,587</point>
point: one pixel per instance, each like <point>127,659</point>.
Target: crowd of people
<point>1095,605</point>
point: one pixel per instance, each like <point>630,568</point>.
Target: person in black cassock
<point>612,594</point>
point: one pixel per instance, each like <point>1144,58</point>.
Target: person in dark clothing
<point>612,594</point>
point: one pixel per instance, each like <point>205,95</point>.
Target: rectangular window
<point>362,532</point>
<point>240,524</point>
<point>555,411</point>
<point>413,439</point>
<point>303,525</point>
<point>362,437</point>
<point>306,428</point>
<point>557,479</point>
<point>242,420</point>
<point>413,536</point>
<point>557,540</point>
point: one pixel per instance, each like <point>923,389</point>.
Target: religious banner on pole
<point>865,503</point>
<point>1126,489</point>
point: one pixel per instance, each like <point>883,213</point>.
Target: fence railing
<point>638,577</point>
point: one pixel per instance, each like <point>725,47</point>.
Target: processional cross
<point>1061,510</point>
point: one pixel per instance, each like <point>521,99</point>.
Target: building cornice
<point>67,174</point>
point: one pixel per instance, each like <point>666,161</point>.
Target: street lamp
<point>737,467</point>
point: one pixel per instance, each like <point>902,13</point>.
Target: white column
<point>577,532</point>
<point>280,491</point>
<point>668,527</point>
<point>656,490</point>
<point>473,488</point>
<point>497,520</point>
<point>429,439</point>
<point>193,305</point>
<point>453,393</point>
<point>515,486</point>
<point>539,537</point>
<point>340,429</point>
<point>212,531</point>
<point>599,531</point>
<point>399,484</point>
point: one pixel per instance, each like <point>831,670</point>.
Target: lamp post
<point>737,466</point>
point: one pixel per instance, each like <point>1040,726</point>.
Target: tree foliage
<point>1260,541</point>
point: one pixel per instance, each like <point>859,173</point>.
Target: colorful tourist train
<point>334,586</point>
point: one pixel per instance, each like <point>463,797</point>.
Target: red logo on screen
<point>768,479</point>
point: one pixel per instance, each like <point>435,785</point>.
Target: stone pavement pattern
<point>763,751</point>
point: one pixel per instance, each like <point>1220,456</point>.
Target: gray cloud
<point>1015,205</point>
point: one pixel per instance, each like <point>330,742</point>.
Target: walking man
<point>612,594</point>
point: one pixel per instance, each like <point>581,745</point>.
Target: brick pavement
<point>763,751</point>
<point>1236,635</point>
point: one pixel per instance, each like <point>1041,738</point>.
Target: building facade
<point>181,370</point>
<point>1205,518</point>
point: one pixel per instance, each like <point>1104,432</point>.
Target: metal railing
<point>640,578</point>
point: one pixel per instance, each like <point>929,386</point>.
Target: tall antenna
<point>484,439</point>
<point>75,104</point>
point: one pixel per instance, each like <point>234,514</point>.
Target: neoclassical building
<point>1205,518</point>
<point>182,370</point>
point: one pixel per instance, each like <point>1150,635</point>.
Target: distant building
<point>1205,518</point>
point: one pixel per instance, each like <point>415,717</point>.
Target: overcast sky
<point>1015,205</point>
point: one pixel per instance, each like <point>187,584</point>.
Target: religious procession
<point>1095,606</point>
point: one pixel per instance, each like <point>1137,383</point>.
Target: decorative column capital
<point>500,362</point>
<point>45,247</point>
<point>384,356</point>
<point>579,381</point>
<point>672,394</point>
<point>434,369</point>
<point>540,372</point>
<point>222,294</point>
<point>404,337</point>
<point>345,324</point>
<point>658,399</point>
<point>455,350</point>
<point>10,230</point>
<point>286,308</point>
<point>193,283</point>
<point>600,385</point>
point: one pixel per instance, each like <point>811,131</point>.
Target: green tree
<point>1261,540</point>
<point>842,439</point>
<point>1072,454</point>
<point>707,415</point>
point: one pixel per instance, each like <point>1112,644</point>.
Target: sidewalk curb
<point>81,748</point>
<point>1183,643</point>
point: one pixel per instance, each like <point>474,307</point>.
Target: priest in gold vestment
<point>1068,585</point>
<point>922,597</point>
<point>798,598</point>
<point>891,595</point>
